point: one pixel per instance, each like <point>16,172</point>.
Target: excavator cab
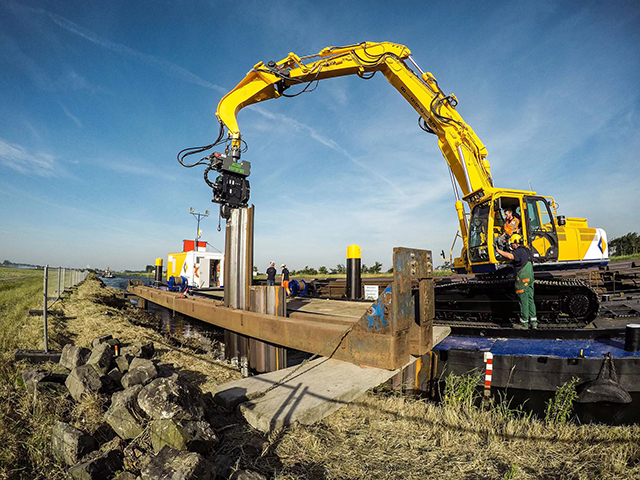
<point>533,220</point>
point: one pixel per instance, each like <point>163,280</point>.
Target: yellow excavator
<point>556,242</point>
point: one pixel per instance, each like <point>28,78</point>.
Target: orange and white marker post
<point>488,362</point>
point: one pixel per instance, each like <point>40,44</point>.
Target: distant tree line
<point>628,244</point>
<point>339,269</point>
<point>9,263</point>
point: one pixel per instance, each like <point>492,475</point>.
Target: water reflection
<point>205,335</point>
<point>209,337</point>
<point>121,282</point>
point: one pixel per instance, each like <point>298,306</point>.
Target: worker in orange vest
<point>285,278</point>
<point>511,227</point>
<point>511,224</point>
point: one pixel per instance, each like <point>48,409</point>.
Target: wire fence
<point>56,281</point>
<point>59,279</point>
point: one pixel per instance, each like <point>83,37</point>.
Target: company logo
<point>602,245</point>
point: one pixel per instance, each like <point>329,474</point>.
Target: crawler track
<point>564,302</point>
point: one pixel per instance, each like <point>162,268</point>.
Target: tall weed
<point>560,407</point>
<point>461,391</point>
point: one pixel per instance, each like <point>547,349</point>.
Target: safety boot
<point>521,326</point>
<point>533,323</point>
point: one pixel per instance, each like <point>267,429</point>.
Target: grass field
<point>623,258</point>
<point>20,291</point>
<point>383,435</point>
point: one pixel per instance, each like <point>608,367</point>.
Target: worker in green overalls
<point>521,259</point>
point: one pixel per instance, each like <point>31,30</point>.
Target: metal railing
<point>56,281</point>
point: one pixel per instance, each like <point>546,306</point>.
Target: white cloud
<point>71,116</point>
<point>21,160</point>
<point>162,65</point>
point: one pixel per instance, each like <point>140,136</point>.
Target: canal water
<point>206,336</point>
<point>210,339</point>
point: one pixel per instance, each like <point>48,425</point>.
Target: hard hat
<point>272,263</point>
<point>282,266</point>
<point>515,238</point>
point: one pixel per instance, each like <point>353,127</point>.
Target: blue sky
<point>98,97</point>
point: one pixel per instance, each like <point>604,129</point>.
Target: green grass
<point>9,274</point>
<point>624,257</point>
<point>20,291</point>
<point>25,421</point>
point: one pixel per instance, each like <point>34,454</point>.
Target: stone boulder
<point>69,444</point>
<point>144,350</point>
<point>35,379</point>
<point>101,468</point>
<point>83,380</point>
<point>170,398</point>
<point>123,362</point>
<point>147,350</point>
<point>192,435</point>
<point>124,415</point>
<point>176,464</point>
<point>115,376</point>
<point>114,342</point>
<point>73,356</point>
<point>141,371</point>
<point>101,357</point>
<point>100,340</point>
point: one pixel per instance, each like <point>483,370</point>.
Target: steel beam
<point>380,338</point>
<point>265,357</point>
<point>238,258</point>
<point>238,273</point>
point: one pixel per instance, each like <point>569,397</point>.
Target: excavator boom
<point>462,149</point>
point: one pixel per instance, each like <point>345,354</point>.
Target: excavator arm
<point>462,149</point>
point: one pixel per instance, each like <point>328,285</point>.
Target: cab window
<point>478,233</point>
<point>539,216</point>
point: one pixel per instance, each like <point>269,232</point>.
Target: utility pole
<point>198,217</point>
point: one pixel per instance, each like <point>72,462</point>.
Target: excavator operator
<point>521,259</point>
<point>511,224</point>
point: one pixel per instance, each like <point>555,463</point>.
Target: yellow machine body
<point>555,242</point>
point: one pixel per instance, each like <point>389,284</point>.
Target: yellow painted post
<point>158,279</point>
<point>354,277</point>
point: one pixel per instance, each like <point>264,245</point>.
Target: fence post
<point>44,309</point>
<point>59,270</point>
<point>488,361</point>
